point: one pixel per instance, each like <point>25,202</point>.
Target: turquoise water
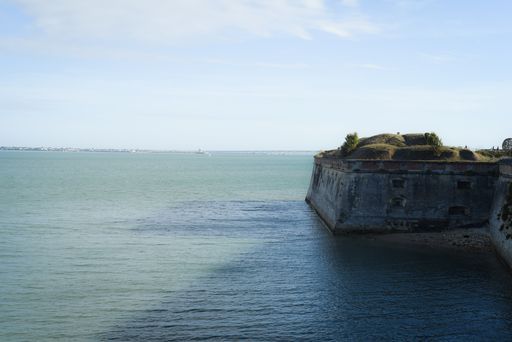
<point>118,246</point>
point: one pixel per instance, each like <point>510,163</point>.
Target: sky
<point>252,75</point>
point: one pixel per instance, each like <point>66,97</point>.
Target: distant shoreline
<point>115,150</point>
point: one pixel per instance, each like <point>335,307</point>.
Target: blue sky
<point>252,75</point>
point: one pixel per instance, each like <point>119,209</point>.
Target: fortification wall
<point>370,196</point>
<point>501,214</point>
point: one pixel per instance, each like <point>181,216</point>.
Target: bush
<point>433,139</point>
<point>350,144</point>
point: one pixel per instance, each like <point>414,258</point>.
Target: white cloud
<point>51,48</point>
<point>370,66</point>
<point>438,58</point>
<point>350,3</point>
<point>169,21</point>
<point>347,28</point>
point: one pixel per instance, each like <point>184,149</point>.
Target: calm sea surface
<point>118,246</point>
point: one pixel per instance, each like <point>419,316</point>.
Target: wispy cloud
<point>50,48</point>
<point>413,4</point>
<point>346,29</point>
<point>370,66</point>
<point>255,64</point>
<point>170,21</point>
<point>438,58</point>
<point>350,3</point>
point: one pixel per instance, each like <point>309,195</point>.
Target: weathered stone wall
<point>501,214</point>
<point>363,196</point>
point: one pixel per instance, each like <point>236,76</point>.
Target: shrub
<point>350,144</point>
<point>433,139</point>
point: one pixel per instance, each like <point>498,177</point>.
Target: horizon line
<point>133,150</point>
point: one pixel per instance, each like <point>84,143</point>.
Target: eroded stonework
<point>384,195</point>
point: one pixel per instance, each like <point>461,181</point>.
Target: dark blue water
<point>302,283</point>
<point>177,247</point>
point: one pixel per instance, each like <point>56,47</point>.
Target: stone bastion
<point>365,196</point>
<point>390,195</point>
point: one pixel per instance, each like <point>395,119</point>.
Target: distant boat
<point>199,151</point>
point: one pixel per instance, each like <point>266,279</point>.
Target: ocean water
<point>118,246</point>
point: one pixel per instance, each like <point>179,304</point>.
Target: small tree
<point>350,144</point>
<point>433,140</point>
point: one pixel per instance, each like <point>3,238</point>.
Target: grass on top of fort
<point>406,147</point>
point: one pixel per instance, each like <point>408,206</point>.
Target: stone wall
<point>368,196</point>
<point>501,214</point>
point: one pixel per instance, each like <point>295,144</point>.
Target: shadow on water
<point>303,283</point>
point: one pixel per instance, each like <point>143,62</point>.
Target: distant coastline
<point>122,150</point>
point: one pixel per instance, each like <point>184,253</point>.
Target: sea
<point>220,246</point>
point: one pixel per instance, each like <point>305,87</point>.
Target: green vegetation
<point>427,146</point>
<point>433,139</point>
<point>383,139</point>
<point>350,144</point>
<point>495,154</point>
<point>374,151</point>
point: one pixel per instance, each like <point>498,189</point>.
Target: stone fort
<point>371,195</point>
